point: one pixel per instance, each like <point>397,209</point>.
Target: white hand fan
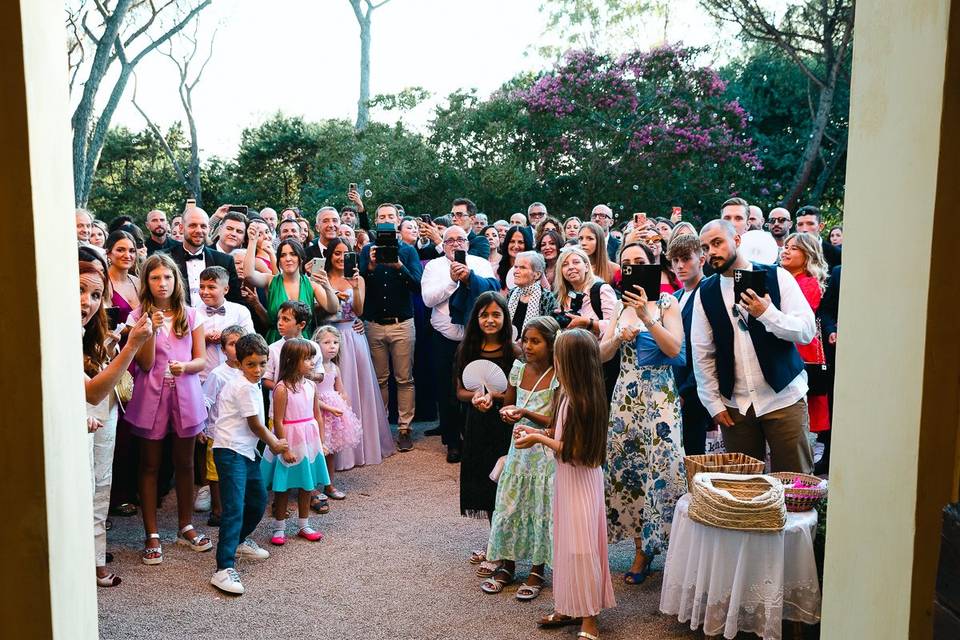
<point>484,374</point>
<point>759,246</point>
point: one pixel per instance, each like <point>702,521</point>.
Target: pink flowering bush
<point>645,131</point>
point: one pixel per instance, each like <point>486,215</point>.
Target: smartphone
<point>676,211</point>
<point>388,252</point>
<point>646,276</point>
<point>191,202</point>
<point>349,264</point>
<point>352,187</point>
<point>639,220</point>
<point>113,317</point>
<point>426,218</point>
<point>239,208</point>
<point>460,257</point>
<point>744,279</point>
<point>319,264</point>
<point>576,302</point>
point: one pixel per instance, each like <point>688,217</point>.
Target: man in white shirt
<point>749,374</point>
<point>218,314</point>
<point>193,256</point>
<point>449,288</point>
<point>232,232</point>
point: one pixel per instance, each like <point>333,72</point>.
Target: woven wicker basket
<point>801,498</point>
<point>740,502</point>
<point>738,463</point>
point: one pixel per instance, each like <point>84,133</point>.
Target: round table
<point>729,581</point>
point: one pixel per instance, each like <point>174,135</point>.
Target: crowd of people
<point>244,352</point>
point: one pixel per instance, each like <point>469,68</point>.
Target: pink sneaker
<point>279,538</point>
<point>311,534</point>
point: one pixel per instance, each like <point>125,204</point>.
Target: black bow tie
<point>193,256</point>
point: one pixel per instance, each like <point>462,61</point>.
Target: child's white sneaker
<point>250,549</point>
<point>228,581</point>
<point>202,501</point>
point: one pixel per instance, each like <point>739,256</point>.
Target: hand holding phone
<point>639,220</point>
<point>460,257</point>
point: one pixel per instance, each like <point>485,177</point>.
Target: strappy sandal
<point>152,555</point>
<point>486,569</point>
<point>588,636</point>
<point>637,577</point>
<point>319,505</point>
<point>198,543</point>
<point>495,584</point>
<point>555,620</point>
<point>531,591</point>
<point>478,556</point>
<point>109,580</point>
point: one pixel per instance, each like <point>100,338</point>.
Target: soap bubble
<point>368,194</point>
<point>367,182</point>
<point>636,187</point>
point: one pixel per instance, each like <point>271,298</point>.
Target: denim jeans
<point>244,499</point>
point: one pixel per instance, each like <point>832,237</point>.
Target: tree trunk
<point>363,107</point>
<point>812,149</point>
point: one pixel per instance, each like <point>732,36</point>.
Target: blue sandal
<point>637,577</point>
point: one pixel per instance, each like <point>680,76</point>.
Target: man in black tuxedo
<point>687,259</point>
<point>193,256</point>
<point>328,228</point>
<point>809,221</point>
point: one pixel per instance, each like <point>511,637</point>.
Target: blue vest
<point>780,361</point>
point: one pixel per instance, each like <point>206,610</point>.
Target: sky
<point>301,57</point>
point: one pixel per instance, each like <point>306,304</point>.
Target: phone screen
<point>460,256</point>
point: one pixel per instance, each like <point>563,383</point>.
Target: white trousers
<point>102,442</point>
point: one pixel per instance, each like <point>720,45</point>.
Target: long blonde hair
<point>178,299</point>
<point>816,264</point>
<point>600,262</point>
<point>560,287</point>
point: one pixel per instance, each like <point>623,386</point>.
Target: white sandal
<point>200,542</point>
<point>531,591</point>
<point>152,555</point>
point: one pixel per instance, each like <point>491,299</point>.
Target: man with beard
<point>750,377</point>
<point>159,239</point>
<point>779,225</point>
<point>755,219</point>
<point>193,255</point>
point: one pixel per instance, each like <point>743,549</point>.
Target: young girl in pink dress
<point>581,572</point>
<point>342,426</point>
<point>296,419</point>
<point>167,398</point>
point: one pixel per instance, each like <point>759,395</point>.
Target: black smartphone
<point>646,276</point>
<point>353,187</point>
<point>426,218</point>
<point>239,208</point>
<point>388,252</point>
<point>460,256</point>
<point>744,279</point>
<point>349,264</point>
<point>576,301</point>
<point>113,317</point>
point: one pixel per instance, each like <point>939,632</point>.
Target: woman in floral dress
<point>645,475</point>
<point>521,528</point>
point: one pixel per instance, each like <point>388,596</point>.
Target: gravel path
<point>393,565</point>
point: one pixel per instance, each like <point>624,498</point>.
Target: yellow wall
<point>897,396</point>
<point>47,533</point>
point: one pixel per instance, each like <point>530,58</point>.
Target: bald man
<point>193,256</point>
<point>159,239</point>
<point>779,225</point>
<point>755,219</point>
<point>602,215</point>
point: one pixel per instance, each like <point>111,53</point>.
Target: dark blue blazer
<point>686,381</point>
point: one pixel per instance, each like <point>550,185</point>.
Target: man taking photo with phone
<point>388,311</point>
<point>750,376</point>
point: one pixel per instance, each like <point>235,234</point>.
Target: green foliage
<point>135,175</point>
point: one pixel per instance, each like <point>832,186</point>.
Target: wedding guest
<point>750,376</point>
<point>160,238</point>
<point>779,224</point>
<point>515,242</point>
<point>549,247</point>
<point>98,233</point>
<point>804,260</point>
<point>450,290</point>
<point>836,236</point>
<point>536,212</point>
<point>571,228</point>
<point>193,256</point>
<point>645,473</point>
<point>592,241</point>
<point>809,220</point>
<point>602,216</point>
<point>390,327</point>
<point>529,299</point>
<point>493,237</point>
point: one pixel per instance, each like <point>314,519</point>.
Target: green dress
<point>277,295</point>
<point>522,525</point>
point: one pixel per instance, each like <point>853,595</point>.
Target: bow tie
<point>193,256</point>
<point>216,311</point>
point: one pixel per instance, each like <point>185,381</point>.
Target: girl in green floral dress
<point>521,528</point>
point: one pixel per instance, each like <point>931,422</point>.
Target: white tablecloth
<point>729,581</point>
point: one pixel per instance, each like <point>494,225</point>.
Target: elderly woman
<point>644,471</point>
<point>529,299</point>
<point>291,283</point>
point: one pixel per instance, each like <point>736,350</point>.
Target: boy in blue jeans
<point>239,426</point>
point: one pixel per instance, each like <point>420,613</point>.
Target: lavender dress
<point>161,402</point>
<point>360,384</point>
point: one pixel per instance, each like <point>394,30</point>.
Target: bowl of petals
<point>801,492</point>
